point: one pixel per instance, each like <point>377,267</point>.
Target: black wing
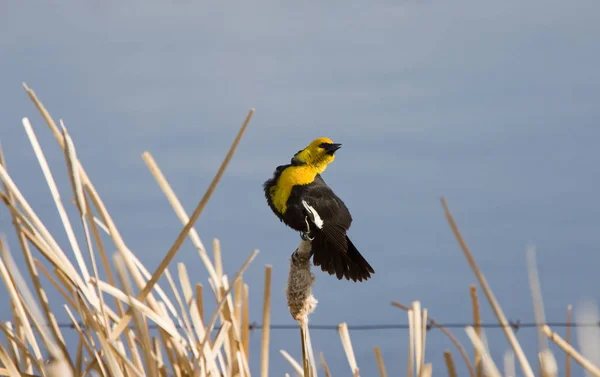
<point>332,210</point>
<point>328,205</point>
<point>332,248</point>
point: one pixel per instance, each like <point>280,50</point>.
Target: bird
<point>301,199</point>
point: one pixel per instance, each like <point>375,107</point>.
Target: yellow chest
<point>290,177</point>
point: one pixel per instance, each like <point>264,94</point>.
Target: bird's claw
<point>306,236</point>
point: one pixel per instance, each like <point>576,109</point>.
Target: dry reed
<point>477,323</point>
<point>123,333</point>
<point>450,364</point>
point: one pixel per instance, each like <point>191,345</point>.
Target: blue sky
<point>492,104</point>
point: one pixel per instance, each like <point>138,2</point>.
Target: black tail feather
<point>346,262</point>
<point>359,268</point>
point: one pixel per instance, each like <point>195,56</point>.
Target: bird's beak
<point>331,148</point>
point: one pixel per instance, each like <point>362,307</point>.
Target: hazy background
<point>494,105</point>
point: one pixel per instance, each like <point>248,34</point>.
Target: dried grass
<point>114,326</point>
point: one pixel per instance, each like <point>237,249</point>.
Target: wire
<point>515,325</point>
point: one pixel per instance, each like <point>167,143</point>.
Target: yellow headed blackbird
<point>297,191</point>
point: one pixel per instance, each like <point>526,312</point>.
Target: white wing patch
<point>316,219</point>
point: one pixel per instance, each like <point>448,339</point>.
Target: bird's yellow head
<point>318,154</point>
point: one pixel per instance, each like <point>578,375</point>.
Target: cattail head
<point>299,287</point>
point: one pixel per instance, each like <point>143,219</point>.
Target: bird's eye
<point>322,145</point>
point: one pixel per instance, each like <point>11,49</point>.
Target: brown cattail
<point>299,287</point>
